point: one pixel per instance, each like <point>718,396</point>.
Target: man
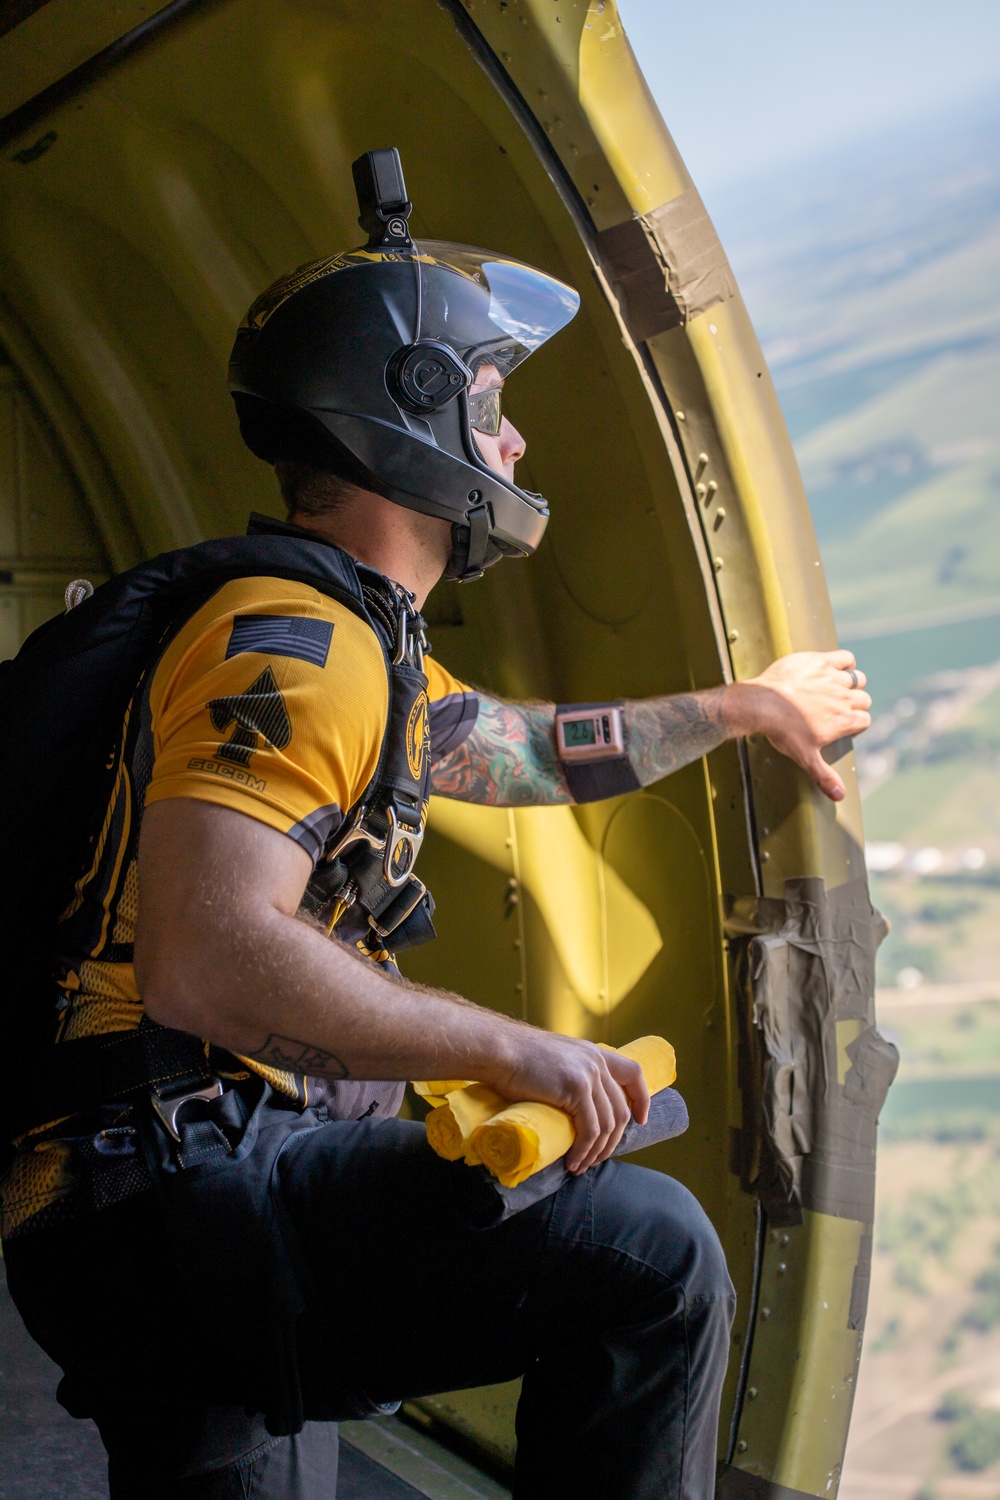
<point>286,1246</point>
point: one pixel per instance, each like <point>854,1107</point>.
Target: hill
<point>874,279</point>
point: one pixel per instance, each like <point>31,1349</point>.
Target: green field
<point>873,280</point>
<point>934,547</point>
<point>897,663</point>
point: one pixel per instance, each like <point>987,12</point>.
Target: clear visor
<point>489,309</point>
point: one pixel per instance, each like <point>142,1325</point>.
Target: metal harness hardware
<point>95,657</point>
<point>168,1108</point>
<point>369,865</point>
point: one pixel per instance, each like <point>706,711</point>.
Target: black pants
<point>611,1299</point>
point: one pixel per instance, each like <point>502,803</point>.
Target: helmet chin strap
<point>472,551</point>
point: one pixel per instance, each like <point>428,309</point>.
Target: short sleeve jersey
<point>271,700</point>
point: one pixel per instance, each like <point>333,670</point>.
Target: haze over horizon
<point>760,88</point>
<point>850,160</point>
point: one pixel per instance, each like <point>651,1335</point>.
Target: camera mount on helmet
<point>367,358</point>
<point>381,191</point>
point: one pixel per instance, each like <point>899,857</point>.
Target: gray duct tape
<point>821,1076</point>
<point>666,266</point>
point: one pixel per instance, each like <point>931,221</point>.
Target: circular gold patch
<point>418,734</point>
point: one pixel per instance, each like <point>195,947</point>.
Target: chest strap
<point>364,883</point>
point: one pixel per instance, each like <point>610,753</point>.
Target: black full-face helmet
<point>369,356</point>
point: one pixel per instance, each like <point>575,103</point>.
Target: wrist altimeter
<point>590,743</point>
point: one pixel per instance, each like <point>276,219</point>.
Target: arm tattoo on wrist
<point>509,759</point>
<point>299,1057</point>
<point>664,734</point>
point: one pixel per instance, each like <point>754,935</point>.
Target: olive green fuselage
<point>147,198</point>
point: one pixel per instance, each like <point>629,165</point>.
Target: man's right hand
<point>220,952</point>
<point>600,1091</point>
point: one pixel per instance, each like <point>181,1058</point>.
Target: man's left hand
<point>802,703</point>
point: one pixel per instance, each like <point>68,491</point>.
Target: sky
<point>745,86</point>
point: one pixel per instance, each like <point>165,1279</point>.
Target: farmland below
<point>873,277</point>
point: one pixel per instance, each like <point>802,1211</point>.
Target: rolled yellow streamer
<point>522,1139</point>
<point>450,1125</point>
<point>434,1090</point>
<point>656,1058</point>
<point>444,1134</point>
<point>470,1108</point>
<point>525,1138</point>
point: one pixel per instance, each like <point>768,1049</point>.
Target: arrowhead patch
<point>260,711</point>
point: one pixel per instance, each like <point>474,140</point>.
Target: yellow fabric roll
<point>656,1058</point>
<point>435,1090</point>
<point>449,1129</point>
<point>524,1138</point>
<point>517,1140</point>
<point>444,1133</point>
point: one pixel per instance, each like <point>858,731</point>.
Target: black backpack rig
<point>63,699</point>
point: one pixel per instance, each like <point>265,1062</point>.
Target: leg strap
<point>81,1075</point>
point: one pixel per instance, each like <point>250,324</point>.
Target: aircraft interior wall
<point>141,215</point>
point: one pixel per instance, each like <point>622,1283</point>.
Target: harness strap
<point>74,1077</point>
<point>78,1076</point>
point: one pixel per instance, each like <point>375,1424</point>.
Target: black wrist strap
<point>594,780</point>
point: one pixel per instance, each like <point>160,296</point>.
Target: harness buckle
<point>399,910</point>
<point>167,1109</point>
<point>357,833</point>
<point>402,845</point>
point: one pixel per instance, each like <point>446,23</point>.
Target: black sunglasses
<point>485,413</point>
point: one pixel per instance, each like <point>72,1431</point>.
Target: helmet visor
<point>488,308</point>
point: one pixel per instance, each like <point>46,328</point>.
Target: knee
<point>657,1220</point>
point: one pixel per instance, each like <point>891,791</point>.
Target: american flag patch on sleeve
<point>281,635</point>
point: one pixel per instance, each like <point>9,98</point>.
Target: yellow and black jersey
<point>272,700</point>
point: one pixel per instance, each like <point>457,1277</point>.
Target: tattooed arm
<point>801,703</point>
<point>510,760</point>
<point>221,952</point>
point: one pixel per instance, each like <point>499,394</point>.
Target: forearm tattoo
<point>299,1057</point>
<point>664,734</point>
<point>510,760</point>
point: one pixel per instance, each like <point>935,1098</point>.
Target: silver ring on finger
<point>853,676</point>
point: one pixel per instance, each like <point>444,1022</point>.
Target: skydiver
<point>274,1247</point>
